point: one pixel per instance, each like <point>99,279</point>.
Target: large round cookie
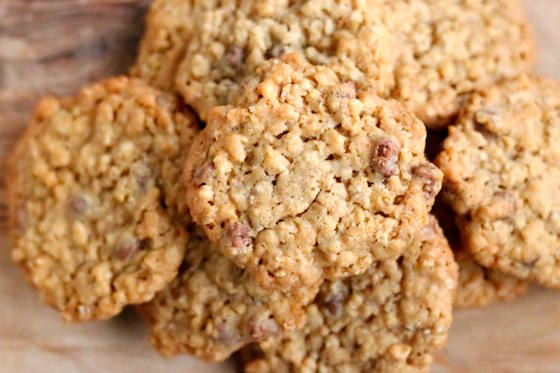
<point>478,286</point>
<point>451,48</point>
<point>89,185</point>
<point>213,308</point>
<point>235,37</point>
<point>308,177</point>
<point>393,318</point>
<point>502,177</point>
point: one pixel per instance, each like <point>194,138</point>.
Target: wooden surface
<point>54,46</point>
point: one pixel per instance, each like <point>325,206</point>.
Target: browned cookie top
<point>94,191</point>
<point>393,318</point>
<point>309,177</point>
<point>450,48</point>
<point>213,308</point>
<point>502,177</point>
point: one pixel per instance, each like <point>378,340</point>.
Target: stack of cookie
<point>261,181</point>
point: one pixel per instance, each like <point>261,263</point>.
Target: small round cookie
<point>213,308</point>
<point>234,37</point>
<point>89,186</point>
<point>502,176</point>
<point>393,318</point>
<point>451,48</point>
<point>307,177</point>
<point>169,25</point>
<point>478,286</point>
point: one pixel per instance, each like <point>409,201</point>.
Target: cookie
<point>502,176</point>
<point>94,192</point>
<point>451,48</point>
<point>227,40</point>
<point>478,286</point>
<point>169,24</point>
<point>393,318</point>
<point>213,308</point>
<point>307,177</point>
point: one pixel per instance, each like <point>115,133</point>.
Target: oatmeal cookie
<point>393,318</point>
<point>307,177</point>
<point>213,308</point>
<point>502,176</point>
<point>94,191</point>
<point>478,286</point>
<point>451,48</point>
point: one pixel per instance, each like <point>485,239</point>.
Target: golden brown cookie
<point>502,176</point>
<point>308,177</point>
<point>393,318</point>
<point>89,187</point>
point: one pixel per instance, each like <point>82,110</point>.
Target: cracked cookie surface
<point>393,318</point>
<point>213,308</point>
<point>502,178</point>
<point>450,48</point>
<point>88,187</point>
<point>307,177</point>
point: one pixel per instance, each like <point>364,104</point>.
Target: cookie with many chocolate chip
<point>393,318</point>
<point>213,308</point>
<point>95,197</point>
<point>450,48</point>
<point>228,40</point>
<point>307,177</point>
<point>478,286</point>
<point>502,178</point>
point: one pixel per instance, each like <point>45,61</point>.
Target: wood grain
<point>55,46</point>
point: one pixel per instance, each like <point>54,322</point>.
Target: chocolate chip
<point>275,51</point>
<point>239,235</point>
<point>226,333</point>
<point>78,205</point>
<point>143,179</point>
<point>126,248</point>
<point>428,174</point>
<point>234,56</point>
<point>203,173</point>
<point>384,158</point>
<point>260,329</point>
<point>334,298</point>
<point>346,90</point>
